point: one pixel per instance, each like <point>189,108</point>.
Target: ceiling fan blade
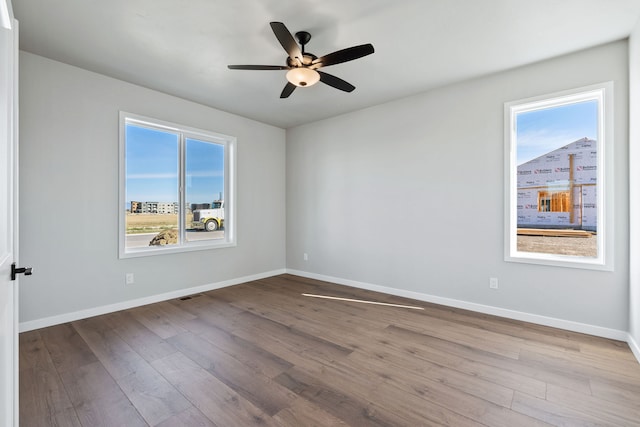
<point>344,55</point>
<point>287,41</point>
<point>258,67</point>
<point>288,90</point>
<point>336,82</point>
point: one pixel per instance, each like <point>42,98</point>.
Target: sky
<point>152,162</point>
<point>541,131</point>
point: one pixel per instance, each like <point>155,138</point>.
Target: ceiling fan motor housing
<point>307,59</point>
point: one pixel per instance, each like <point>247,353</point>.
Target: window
<point>558,154</point>
<point>176,188</point>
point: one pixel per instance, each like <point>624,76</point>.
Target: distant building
<point>150,207</point>
<point>558,189</point>
<point>154,207</point>
<point>136,207</point>
<point>167,208</point>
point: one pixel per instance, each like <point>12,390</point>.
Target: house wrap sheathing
<point>558,189</point>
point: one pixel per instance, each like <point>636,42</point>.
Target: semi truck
<point>209,219</point>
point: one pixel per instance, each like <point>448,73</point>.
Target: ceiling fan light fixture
<point>303,77</point>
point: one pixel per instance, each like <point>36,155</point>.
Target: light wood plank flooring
<point>261,353</point>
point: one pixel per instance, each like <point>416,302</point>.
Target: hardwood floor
<point>261,353</point>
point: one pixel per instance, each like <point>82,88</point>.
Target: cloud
<point>168,175</point>
<point>535,143</point>
<point>206,174</point>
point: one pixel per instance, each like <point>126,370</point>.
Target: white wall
<point>409,195</point>
<point>634,161</point>
<point>69,193</point>
<point>382,196</point>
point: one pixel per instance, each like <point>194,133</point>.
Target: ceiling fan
<point>303,66</point>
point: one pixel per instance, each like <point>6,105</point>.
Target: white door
<point>8,215</point>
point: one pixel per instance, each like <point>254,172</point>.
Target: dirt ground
<point>150,223</point>
<point>576,246</point>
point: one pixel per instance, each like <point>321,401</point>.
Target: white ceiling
<point>183,47</point>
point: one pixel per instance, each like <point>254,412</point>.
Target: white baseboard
<point>633,345</point>
<point>110,308</point>
<point>481,308</point>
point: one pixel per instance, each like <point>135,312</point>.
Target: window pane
<point>151,187</point>
<point>204,190</point>
<point>557,156</point>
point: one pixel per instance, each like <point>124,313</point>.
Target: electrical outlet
<point>129,279</point>
<point>493,282</point>
<point>305,257</point>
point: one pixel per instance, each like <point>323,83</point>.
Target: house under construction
<point>558,189</point>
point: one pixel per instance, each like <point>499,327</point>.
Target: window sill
<point>164,250</point>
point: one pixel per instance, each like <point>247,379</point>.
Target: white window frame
<point>603,93</point>
<point>185,132</point>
